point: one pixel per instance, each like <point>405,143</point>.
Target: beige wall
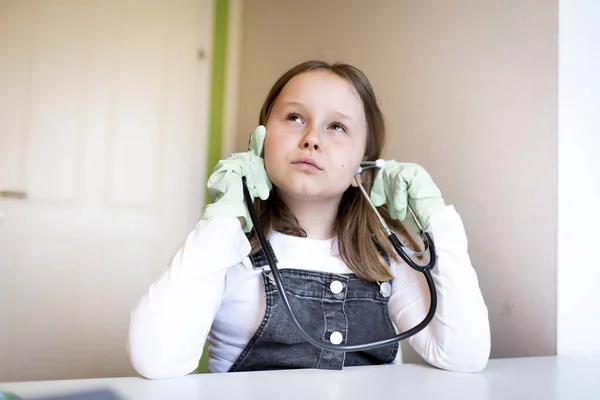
<point>469,89</point>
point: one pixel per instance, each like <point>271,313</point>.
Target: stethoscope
<point>402,251</point>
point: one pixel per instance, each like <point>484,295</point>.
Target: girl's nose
<point>311,140</point>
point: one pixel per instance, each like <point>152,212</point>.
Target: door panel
<point>103,110</point>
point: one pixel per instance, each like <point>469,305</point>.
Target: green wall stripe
<point>217,105</point>
<point>217,90</point>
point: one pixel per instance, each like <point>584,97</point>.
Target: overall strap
<point>259,259</point>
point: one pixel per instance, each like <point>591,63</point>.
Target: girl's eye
<point>338,127</point>
<point>293,117</point>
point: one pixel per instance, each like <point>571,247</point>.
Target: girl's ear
<point>359,176</point>
<point>356,176</point>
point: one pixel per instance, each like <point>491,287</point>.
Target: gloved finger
<point>399,195</point>
<point>236,163</point>
<point>377,199</point>
<point>377,195</point>
<point>397,214</point>
<point>262,190</point>
<point>423,187</point>
<point>392,213</point>
<point>257,140</point>
<point>253,192</point>
<point>218,182</point>
<point>214,178</point>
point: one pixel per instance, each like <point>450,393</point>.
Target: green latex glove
<point>225,184</point>
<point>399,184</point>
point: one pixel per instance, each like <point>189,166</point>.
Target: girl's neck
<point>317,218</point>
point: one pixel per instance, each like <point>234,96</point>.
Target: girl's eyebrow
<point>343,116</point>
<point>338,114</point>
<point>293,104</point>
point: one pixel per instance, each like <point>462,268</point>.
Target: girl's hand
<point>399,184</point>
<point>225,184</point>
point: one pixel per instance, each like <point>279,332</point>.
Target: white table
<point>513,379</point>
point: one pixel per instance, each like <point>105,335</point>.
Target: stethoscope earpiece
<point>379,163</point>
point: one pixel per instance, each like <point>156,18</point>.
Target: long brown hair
<point>358,232</point>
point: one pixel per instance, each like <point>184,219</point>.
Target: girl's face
<point>316,137</point>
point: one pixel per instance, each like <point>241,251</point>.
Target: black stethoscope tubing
<point>425,270</point>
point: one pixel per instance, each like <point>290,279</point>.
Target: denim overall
<point>337,308</point>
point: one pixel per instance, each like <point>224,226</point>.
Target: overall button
<point>336,287</point>
<point>385,288</point>
<point>336,338</point>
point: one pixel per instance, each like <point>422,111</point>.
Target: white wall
<point>578,317</point>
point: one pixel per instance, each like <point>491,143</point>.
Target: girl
<point>321,121</point>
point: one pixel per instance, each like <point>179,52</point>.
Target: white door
<point>103,119</point>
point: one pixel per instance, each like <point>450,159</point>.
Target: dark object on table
<point>102,394</point>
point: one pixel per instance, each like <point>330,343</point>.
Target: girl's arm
<point>169,326</point>
<point>458,337</point>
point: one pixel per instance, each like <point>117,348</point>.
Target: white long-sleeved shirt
<point>211,288</point>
